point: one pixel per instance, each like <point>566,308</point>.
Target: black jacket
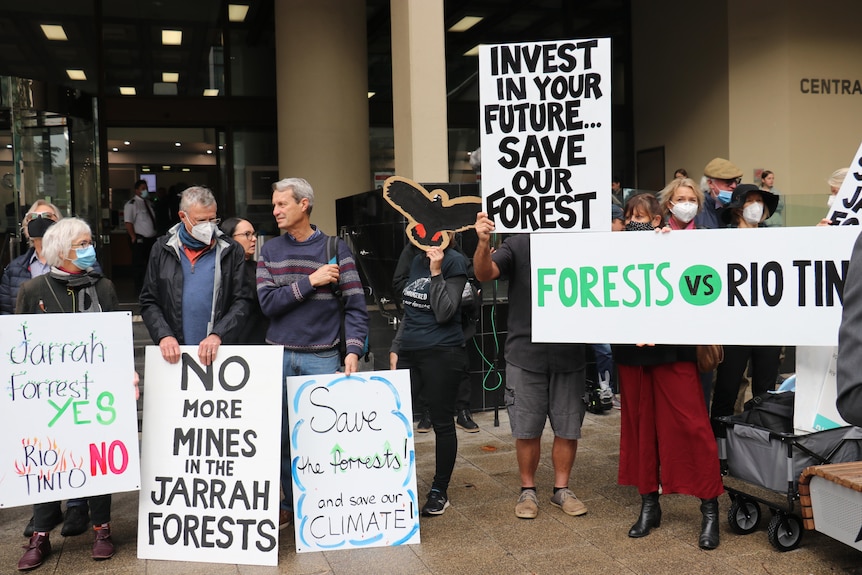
<point>161,296</point>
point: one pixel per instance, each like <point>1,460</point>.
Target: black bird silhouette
<point>430,214</point>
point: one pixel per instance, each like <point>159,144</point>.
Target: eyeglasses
<point>247,235</point>
<point>730,181</point>
<point>84,244</point>
<point>37,215</point>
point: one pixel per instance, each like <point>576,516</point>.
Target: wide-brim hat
<point>737,200</point>
<point>721,169</point>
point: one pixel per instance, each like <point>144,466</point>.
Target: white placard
<point>70,423</point>
<point>353,461</point>
<point>765,286</point>
<point>848,202</point>
<point>211,455</point>
<point>545,121</point>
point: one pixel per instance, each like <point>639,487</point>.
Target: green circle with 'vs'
<point>700,285</point>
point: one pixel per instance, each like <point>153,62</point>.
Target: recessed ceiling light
<point>115,149</point>
<point>8,146</point>
<point>220,147</point>
<point>465,23</point>
<point>76,74</point>
<point>166,167</point>
<point>172,37</point>
<point>128,91</point>
<point>371,95</point>
<point>237,12</point>
<point>178,144</point>
<point>145,169</point>
<point>211,92</point>
<point>187,169</point>
<point>126,142</point>
<point>54,32</point>
<point>170,77</point>
<point>209,151</point>
<point>474,51</point>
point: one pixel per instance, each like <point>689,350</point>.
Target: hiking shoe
<point>76,520</point>
<point>568,502</point>
<point>103,546</point>
<point>38,548</point>
<point>465,421</point>
<point>436,504</point>
<point>424,425</point>
<point>528,504</point>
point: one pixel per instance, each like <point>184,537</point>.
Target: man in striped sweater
<point>298,285</point>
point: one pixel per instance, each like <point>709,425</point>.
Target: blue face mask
<point>724,197</point>
<point>86,257</point>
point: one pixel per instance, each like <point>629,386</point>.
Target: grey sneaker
<point>528,505</point>
<point>568,502</point>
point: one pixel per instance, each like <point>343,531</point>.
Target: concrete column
<point>322,83</point>
<point>419,90</point>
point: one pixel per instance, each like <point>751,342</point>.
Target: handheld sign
<point>546,135</point>
<point>848,202</point>
<point>353,461</point>
<point>767,286</point>
<point>430,214</point>
<point>210,457</point>
<point>68,408</point>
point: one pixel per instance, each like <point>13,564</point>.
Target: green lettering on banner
<point>700,285</point>
<point>570,278</point>
<point>544,287</point>
<point>609,286</point>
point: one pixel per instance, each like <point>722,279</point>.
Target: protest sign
<point>211,455</point>
<point>845,209</point>
<point>68,411</point>
<point>353,461</point>
<point>545,121</point>
<point>765,286</point>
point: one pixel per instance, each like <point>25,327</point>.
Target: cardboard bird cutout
<point>430,215</point>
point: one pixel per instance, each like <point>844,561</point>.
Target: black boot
<point>650,516</point>
<point>709,525</point>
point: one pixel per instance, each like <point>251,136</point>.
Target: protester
<point>720,177</point>
<point>543,381</point>
<point>431,346</point>
<point>665,435</point>
<point>749,208</point>
<point>849,368</point>
<point>299,283</point>
<point>196,290</point>
<point>767,184</point>
<point>71,286</point>
<point>253,330</point>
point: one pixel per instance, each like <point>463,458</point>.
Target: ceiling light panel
<point>237,12</point>
<point>54,32</point>
<point>172,37</point>
<point>465,23</point>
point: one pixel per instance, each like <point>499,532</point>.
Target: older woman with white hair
<point>71,286</point>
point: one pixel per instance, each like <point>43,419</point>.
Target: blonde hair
<point>669,190</point>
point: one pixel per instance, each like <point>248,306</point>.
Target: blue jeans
<point>299,363</point>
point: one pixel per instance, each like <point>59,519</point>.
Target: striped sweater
<point>302,317</point>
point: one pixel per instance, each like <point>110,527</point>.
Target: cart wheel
<point>785,531</point>
<point>743,515</point>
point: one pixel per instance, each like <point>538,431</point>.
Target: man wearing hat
<point>720,178</point>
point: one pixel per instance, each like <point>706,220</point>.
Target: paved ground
<point>479,533</point>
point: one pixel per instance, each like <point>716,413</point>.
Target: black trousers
<point>765,361</point>
<point>435,375</point>
<point>100,512</point>
<point>140,257</point>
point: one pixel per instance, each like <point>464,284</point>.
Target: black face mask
<point>638,227</point>
<point>37,227</point>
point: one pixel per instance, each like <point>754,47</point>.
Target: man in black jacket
<point>196,291</point>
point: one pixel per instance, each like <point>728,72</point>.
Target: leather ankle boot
<point>709,525</point>
<point>650,516</point>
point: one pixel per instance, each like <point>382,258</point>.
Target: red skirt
<point>665,437</point>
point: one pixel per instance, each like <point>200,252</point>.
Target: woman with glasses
<point>71,285</point>
<point>242,232</point>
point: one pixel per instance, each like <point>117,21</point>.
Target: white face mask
<point>752,213</point>
<point>830,200</point>
<point>203,232</point>
<point>684,211</point>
